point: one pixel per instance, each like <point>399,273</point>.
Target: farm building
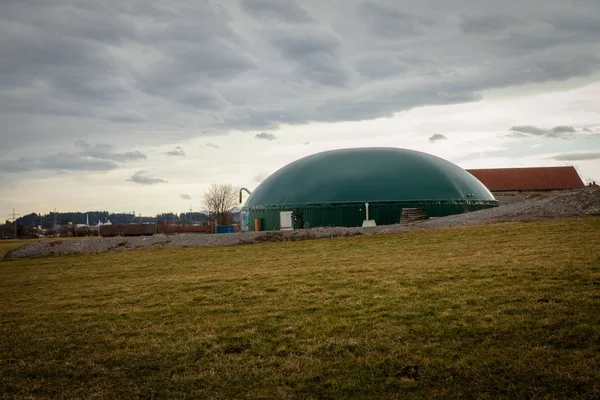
<point>333,188</point>
<point>528,179</point>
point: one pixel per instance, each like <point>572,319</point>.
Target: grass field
<point>499,311</point>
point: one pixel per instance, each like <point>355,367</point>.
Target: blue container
<point>225,229</point>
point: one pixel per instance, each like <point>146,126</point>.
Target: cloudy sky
<point>140,105</point>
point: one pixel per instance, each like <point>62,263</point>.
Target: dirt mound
<point>529,207</point>
<point>584,202</point>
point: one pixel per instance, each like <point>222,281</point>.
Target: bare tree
<point>219,200</point>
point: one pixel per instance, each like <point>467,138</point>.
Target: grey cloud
<point>265,136</point>
<point>516,135</point>
<point>83,57</point>
<point>437,137</point>
<point>142,178</point>
<point>197,46</point>
<point>146,68</point>
<point>587,130</point>
<point>105,151</point>
<point>177,152</point>
<point>74,162</point>
<point>201,99</point>
<point>372,105</point>
<point>326,70</point>
<point>58,162</point>
<point>212,146</point>
<point>303,43</point>
<point>563,132</point>
<point>577,156</point>
<point>482,24</point>
<point>260,177</point>
<point>584,26</point>
<point>563,129</point>
<point>532,130</point>
<point>285,10</point>
<point>186,197</point>
<point>120,157</point>
<point>97,157</point>
<point>66,73</point>
<point>125,118</point>
<point>380,67</point>
<point>187,75</point>
<point>515,43</point>
<point>389,22</point>
<point>315,53</point>
<point>198,61</point>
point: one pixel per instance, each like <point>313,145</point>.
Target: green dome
<point>368,175</point>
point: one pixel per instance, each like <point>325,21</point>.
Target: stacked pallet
<point>412,215</point>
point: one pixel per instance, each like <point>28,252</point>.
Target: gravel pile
<point>535,206</point>
<point>98,245</point>
<point>582,202</point>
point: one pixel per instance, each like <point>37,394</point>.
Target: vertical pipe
<point>367,209</point>
<point>257,224</point>
<point>245,190</point>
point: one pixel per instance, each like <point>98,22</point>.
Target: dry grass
<point>499,311</point>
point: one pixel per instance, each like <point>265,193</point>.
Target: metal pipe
<point>245,190</point>
<point>367,209</point>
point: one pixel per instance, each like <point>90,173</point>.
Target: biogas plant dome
<point>332,188</point>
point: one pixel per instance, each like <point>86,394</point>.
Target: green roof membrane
<point>368,175</point>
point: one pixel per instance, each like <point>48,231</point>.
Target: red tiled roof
<point>542,178</point>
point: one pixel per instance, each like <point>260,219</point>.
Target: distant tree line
<point>8,231</point>
<point>80,218</point>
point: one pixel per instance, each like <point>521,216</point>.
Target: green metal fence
<point>353,214</point>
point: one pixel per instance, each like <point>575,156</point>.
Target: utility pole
<point>13,217</point>
<point>15,223</point>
